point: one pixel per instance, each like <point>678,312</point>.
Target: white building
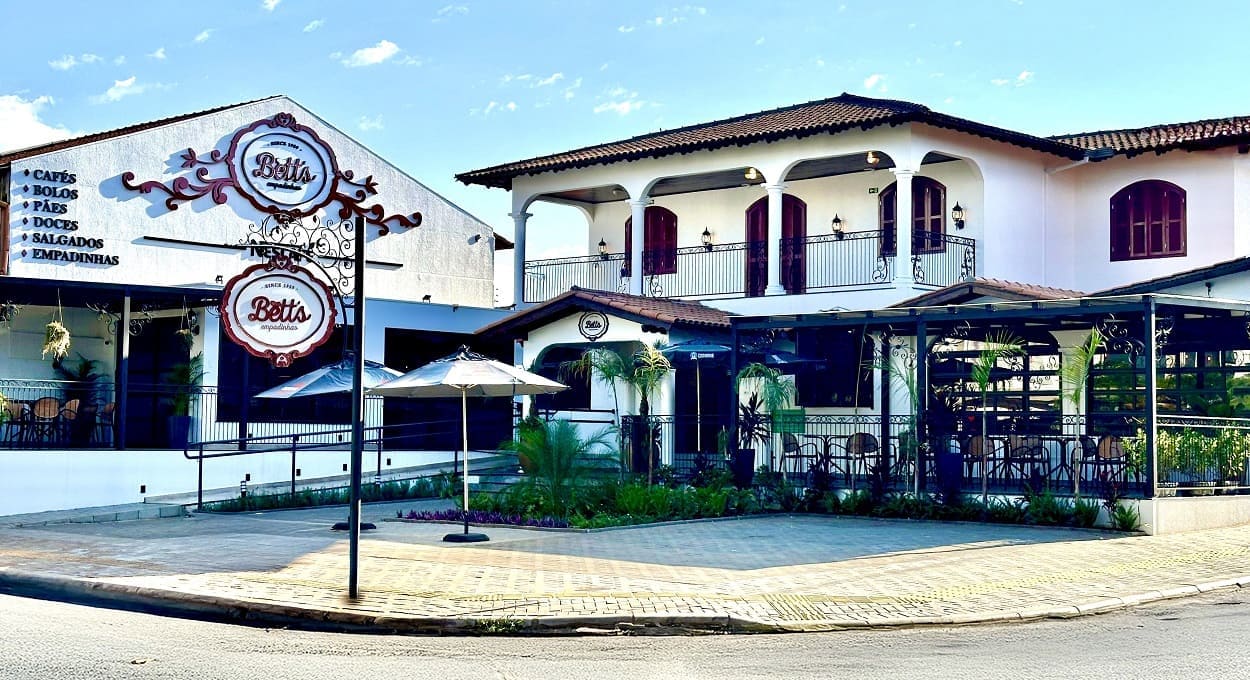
<point>128,236</point>
<point>787,219</point>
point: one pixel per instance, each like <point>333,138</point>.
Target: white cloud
<point>875,81</point>
<point>999,82</point>
<point>623,108</point>
<point>65,63</point>
<point>314,25</point>
<point>119,60</point>
<point>658,21</point>
<point>122,89</point>
<point>1024,78</point>
<point>369,56</point>
<point>447,11</point>
<point>20,126</point>
<point>511,106</point>
<point>493,107</point>
<point>410,61</point>
<point>550,80</point>
<point>89,58</point>
<point>948,100</point>
<point>203,35</point>
<point>759,40</point>
<point>269,5</point>
<point>958,43</point>
<point>571,90</point>
<point>820,63</point>
<point>624,29</point>
<point>366,124</point>
<point>158,54</point>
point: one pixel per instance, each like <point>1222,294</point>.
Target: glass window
<point>1148,220</point>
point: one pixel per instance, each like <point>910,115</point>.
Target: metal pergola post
<point>1149,316</point>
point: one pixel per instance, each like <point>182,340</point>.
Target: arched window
<point>1148,220</point>
<point>928,215</point>
<point>659,244</point>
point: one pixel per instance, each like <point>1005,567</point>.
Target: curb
<point>230,610</point>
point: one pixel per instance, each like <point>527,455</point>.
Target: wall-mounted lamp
<point>603,249</point>
<point>751,174</point>
<point>475,238</point>
<point>957,215</point>
<point>707,239</point>
<point>872,158</point>
<point>837,227</point>
<point>219,280</point>
<point>425,298</point>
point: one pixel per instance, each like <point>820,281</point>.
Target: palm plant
<point>650,368</point>
<point>1075,371</point>
<point>559,461</point>
<point>184,378</point>
<point>900,369</point>
<point>1002,343</point>
<point>770,394</point>
<point>603,365</point>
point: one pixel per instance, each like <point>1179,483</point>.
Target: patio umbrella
<point>466,374</point>
<point>696,351</point>
<point>330,379</point>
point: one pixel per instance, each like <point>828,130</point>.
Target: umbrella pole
<point>464,433</point>
<point>698,407</point>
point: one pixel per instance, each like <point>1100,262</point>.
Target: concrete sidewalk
<point>774,573</point>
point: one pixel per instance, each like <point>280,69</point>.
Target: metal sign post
<point>358,411</point>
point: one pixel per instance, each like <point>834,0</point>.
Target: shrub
<point>1124,518</point>
<point>1007,511</point>
<point>1045,508</point>
<point>558,462</point>
<point>1085,513</point>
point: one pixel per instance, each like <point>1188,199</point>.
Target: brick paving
<point>765,573</point>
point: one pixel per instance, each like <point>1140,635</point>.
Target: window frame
<point>1140,214</point>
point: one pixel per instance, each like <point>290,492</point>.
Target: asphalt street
<point>1200,637</point>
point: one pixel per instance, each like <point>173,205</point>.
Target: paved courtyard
<point>765,573</point>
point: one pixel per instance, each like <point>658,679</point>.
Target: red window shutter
<point>629,246</point>
<point>1174,204</point>
<point>1120,231</point>
<point>660,242</point>
<point>887,209</point>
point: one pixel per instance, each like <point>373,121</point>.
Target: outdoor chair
<point>972,448</point>
<point>797,458</point>
<point>105,426</point>
<point>1025,456</point>
<point>68,415</point>
<point>15,425</point>
<point>859,448</point>
<point>45,419</point>
<point>1110,464</point>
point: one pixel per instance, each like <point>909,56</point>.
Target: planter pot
<point>1203,489</point>
<point>742,465</point>
<point>179,431</point>
<point>1166,490</point>
<point>950,470</point>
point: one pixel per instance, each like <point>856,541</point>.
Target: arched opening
<point>793,237</point>
<point>1147,221</point>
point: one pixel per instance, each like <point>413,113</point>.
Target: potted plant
<point>1075,376</point>
<point>80,378</point>
<point>1001,344</point>
<point>770,394</point>
<point>184,380</point>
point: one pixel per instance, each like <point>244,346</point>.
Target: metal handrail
<point>196,450</point>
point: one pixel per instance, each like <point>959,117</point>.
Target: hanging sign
<point>592,325</point>
<point>278,311</point>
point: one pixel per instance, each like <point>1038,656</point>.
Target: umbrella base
<point>344,526</point>
<point>465,538</point>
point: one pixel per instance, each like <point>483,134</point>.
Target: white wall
<point>1208,181</point>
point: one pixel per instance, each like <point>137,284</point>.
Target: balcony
<point>813,264</point>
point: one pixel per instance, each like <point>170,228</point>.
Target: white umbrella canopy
<point>466,374</point>
<point>330,379</point>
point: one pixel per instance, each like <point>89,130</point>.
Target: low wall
<point>1175,515</point>
<point>39,481</point>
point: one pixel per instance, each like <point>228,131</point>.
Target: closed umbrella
<point>696,351</point>
<point>466,374</point>
<point>330,379</point>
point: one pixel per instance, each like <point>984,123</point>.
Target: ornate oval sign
<point>592,325</point>
<point>280,165</point>
<point>278,311</point>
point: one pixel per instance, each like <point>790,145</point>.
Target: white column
<point>904,226</point>
<point>775,194</point>
<point>639,209</point>
<point>518,258</point>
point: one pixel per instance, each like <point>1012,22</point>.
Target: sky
<point>445,86</point>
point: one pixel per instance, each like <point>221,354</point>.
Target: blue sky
<point>447,86</point>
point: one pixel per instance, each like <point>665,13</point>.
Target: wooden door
<point>757,248</point>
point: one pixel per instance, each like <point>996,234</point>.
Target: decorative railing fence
<point>943,259</point>
<point>836,260</point>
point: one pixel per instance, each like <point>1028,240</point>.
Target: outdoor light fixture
<point>603,249</point>
<point>752,174</point>
<point>475,238</point>
<point>957,215</point>
<point>837,227</point>
<point>220,279</point>
<point>707,239</point>
<point>872,158</point>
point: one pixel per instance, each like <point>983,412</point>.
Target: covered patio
<point>1164,408</point>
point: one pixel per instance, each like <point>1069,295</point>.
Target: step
<point>106,513</point>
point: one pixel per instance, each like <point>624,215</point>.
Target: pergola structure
<point>1161,407</point>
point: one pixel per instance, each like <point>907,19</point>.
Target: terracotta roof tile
<point>987,287</point>
<point>831,115</point>
<point>661,311</point>
<point>28,152</point>
<point>1201,134</point>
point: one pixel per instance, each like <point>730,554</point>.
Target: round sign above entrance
<point>278,311</point>
<point>592,325</point>
<point>282,166</point>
